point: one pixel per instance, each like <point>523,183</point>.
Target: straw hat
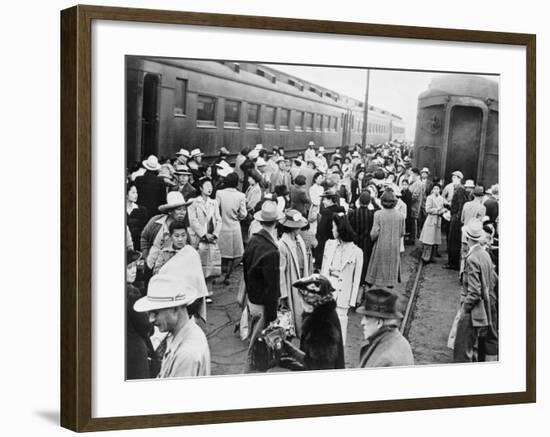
<point>293,219</point>
<point>268,213</point>
<point>152,163</point>
<point>473,229</point>
<point>182,170</point>
<point>196,152</point>
<point>469,184</point>
<point>179,282</point>
<point>321,149</point>
<point>224,168</point>
<point>258,147</point>
<point>174,199</point>
<point>356,154</point>
<point>425,170</point>
<point>311,144</point>
<point>260,162</point>
<point>457,173</point>
<point>183,152</point>
<point>224,151</point>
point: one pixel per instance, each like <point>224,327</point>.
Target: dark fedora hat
<point>381,303</point>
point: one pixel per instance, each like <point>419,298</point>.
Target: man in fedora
<point>195,164</point>
<point>183,156</point>
<point>261,275</point>
<point>179,285</point>
<point>309,154</point>
<point>454,240</point>
<point>384,345</point>
<point>281,176</point>
<point>156,231</point>
<point>183,174</point>
<point>476,329</point>
<point>150,187</point>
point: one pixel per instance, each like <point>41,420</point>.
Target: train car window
<point>284,118</point>
<point>180,99</point>
<point>317,121</point>
<point>308,122</point>
<point>298,117</point>
<point>232,112</point>
<point>332,123</point>
<point>206,111</point>
<point>269,117</point>
<point>253,115</point>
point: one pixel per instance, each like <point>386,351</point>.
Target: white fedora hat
<point>223,168</point>
<point>258,147</point>
<point>179,282</point>
<point>253,154</point>
<point>152,163</point>
<point>196,152</point>
<point>268,213</point>
<point>473,229</point>
<point>183,152</point>
<point>321,149</point>
<point>174,199</point>
<point>469,184</point>
<point>311,143</point>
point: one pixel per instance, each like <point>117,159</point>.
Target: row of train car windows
<point>206,116</point>
<point>373,128</point>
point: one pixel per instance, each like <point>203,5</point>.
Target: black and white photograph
<point>290,218</point>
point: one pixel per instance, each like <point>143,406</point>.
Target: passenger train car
<point>457,128</point>
<point>175,103</point>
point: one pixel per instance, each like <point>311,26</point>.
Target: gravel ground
<point>228,352</point>
<point>435,309</point>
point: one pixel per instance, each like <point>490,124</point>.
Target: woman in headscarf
<point>387,230</point>
<point>430,236</point>
<point>295,262</point>
<point>342,265</point>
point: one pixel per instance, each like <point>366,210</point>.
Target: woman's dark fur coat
<point>322,339</point>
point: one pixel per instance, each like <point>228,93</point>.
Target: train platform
<point>432,317</point>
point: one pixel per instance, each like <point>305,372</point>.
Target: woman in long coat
<point>205,222</point>
<point>232,209</point>
<point>342,265</point>
<point>387,230</point>
<point>361,220</point>
<point>295,263</point>
<point>431,231</point>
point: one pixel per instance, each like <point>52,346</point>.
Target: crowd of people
<point>317,234</point>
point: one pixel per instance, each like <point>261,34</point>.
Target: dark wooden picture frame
<point>76,221</point>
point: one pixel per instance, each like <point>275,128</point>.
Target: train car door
<point>150,115</point>
<point>464,141</point>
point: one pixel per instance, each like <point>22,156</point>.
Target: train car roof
<point>268,77</point>
<point>462,85</point>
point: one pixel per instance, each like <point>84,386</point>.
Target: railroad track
<point>407,318</point>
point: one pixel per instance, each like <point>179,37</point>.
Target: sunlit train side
<point>174,103</point>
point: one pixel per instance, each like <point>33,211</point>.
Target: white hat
<point>260,162</point>
<point>425,170</point>
<point>279,159</point>
<point>152,163</point>
<point>457,173</point>
<point>224,168</point>
<point>258,147</point>
<point>356,154</point>
<point>253,154</point>
<point>311,143</point>
<point>174,199</point>
<point>473,229</point>
<point>183,152</point>
<point>469,184</point>
<point>196,152</point>
<point>179,282</point>
<point>321,149</point>
<point>268,213</point>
